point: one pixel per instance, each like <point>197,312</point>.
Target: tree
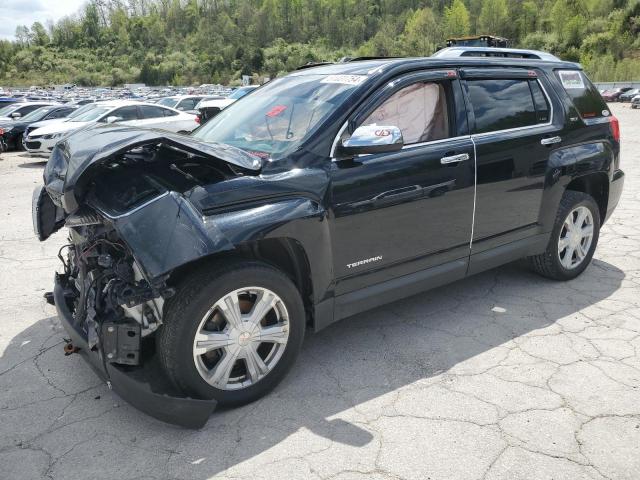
<point>421,34</point>
<point>39,35</point>
<point>456,19</point>
<point>493,17</point>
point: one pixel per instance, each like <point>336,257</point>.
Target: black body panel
<point>365,230</point>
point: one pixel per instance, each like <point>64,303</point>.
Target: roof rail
<point>342,60</point>
<point>455,52</point>
<point>313,64</point>
<point>362,59</point>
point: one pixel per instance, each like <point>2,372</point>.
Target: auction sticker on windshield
<point>571,79</point>
<point>345,79</point>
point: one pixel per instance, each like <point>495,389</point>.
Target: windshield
<point>279,116</point>
<point>8,109</point>
<point>91,114</point>
<point>240,92</point>
<point>168,102</point>
<point>37,114</point>
<point>81,110</point>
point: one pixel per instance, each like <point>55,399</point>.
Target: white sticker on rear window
<point>344,79</point>
<point>571,79</point>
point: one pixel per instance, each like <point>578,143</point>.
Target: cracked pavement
<point>504,375</point>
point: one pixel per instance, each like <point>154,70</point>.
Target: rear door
<point>511,117</point>
<point>405,211</point>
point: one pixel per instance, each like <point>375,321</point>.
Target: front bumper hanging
<point>143,387</point>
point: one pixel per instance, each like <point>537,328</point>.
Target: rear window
<point>584,95</point>
<point>504,104</point>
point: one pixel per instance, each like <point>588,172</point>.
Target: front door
<point>401,212</point>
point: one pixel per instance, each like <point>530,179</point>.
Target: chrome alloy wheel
<point>576,236</point>
<point>241,338</point>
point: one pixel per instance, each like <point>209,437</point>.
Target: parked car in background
<point>43,123</point>
<point>127,112</point>
<point>185,102</point>
<point>20,109</point>
<point>614,95</point>
<point>4,101</point>
<point>207,109</point>
<point>12,131</point>
<point>628,95</point>
<point>635,102</point>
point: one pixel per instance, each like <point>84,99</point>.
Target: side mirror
<point>113,118</point>
<point>15,115</point>
<point>180,108</point>
<point>373,139</point>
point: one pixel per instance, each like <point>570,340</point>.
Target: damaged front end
<point>123,195</point>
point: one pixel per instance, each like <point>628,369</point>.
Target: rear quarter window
<point>583,93</point>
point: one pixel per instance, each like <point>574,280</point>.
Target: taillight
<point>198,119</point>
<point>615,128</point>
<point>1,131</point>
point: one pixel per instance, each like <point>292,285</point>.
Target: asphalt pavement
<point>505,375</point>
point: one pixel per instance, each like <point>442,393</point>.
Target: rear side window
<point>507,103</point>
<point>149,111</point>
<point>583,94</point>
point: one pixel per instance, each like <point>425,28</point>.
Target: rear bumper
<point>615,192</point>
<point>145,388</point>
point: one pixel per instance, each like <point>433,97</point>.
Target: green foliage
<point>159,42</point>
<point>456,19</point>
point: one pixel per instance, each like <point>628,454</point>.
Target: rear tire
<point>18,146</point>
<point>570,247</point>
<point>240,364</point>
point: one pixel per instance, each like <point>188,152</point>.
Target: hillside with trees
<point>181,42</point>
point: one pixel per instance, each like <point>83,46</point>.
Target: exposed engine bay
<point>107,292</point>
<point>106,289</point>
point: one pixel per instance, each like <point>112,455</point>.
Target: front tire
<point>573,240</point>
<point>231,333</point>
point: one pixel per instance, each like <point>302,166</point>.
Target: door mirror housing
<point>113,118</point>
<point>369,139</point>
<point>15,115</point>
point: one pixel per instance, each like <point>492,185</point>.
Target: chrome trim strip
<point>475,193</point>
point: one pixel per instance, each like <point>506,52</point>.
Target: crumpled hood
<point>73,156</point>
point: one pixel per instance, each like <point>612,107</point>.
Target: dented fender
<point>169,232</point>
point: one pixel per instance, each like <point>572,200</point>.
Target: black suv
<point>195,263</point>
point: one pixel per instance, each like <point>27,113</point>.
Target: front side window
<point>126,114</point>
<point>418,110</point>
<point>502,104</point>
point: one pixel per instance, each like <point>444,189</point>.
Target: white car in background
<point>208,109</point>
<point>186,102</point>
<point>42,140</point>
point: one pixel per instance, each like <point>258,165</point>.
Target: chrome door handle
<point>550,140</point>
<point>454,158</point>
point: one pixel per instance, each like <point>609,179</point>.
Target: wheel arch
<point>284,253</point>
<point>595,184</point>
